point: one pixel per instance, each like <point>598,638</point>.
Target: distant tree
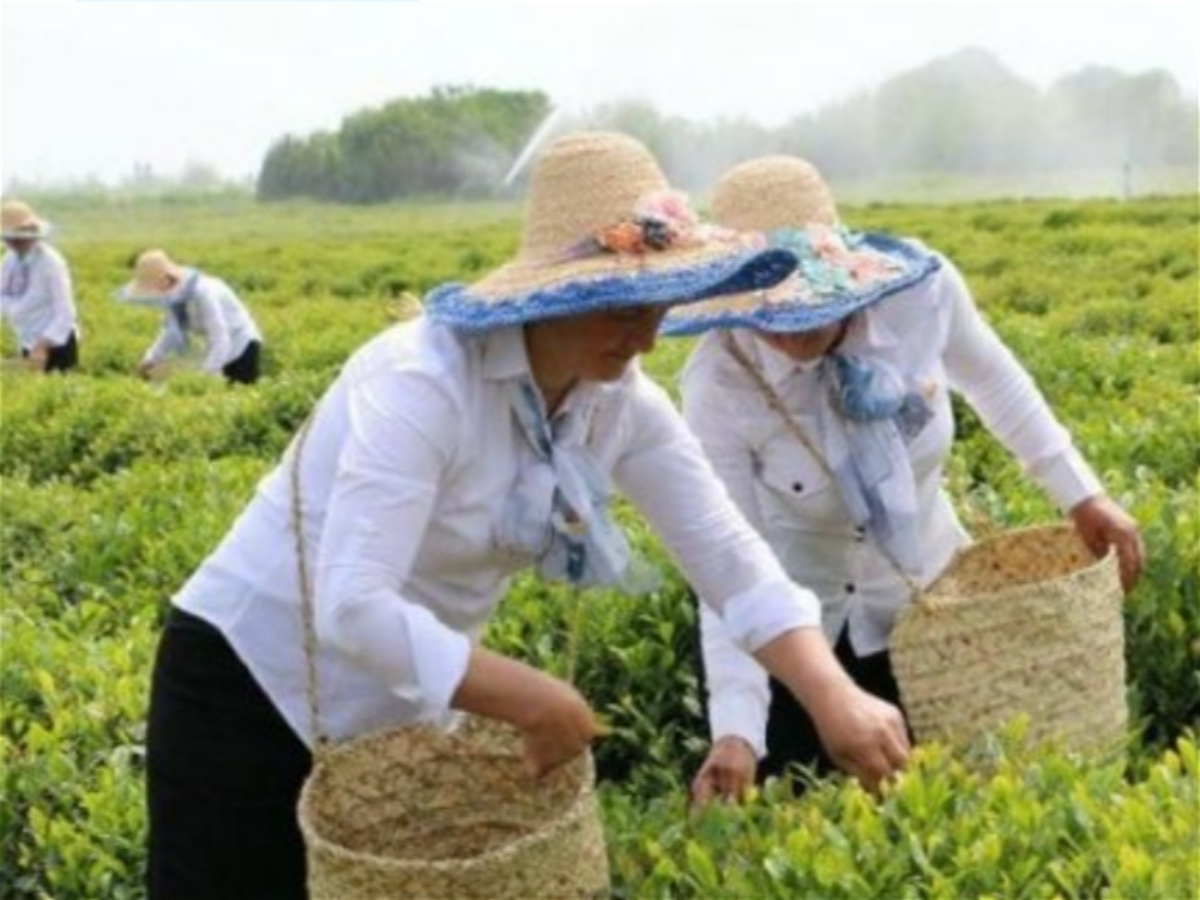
<point>841,139</point>
<point>963,113</point>
<point>1099,117</point>
<point>457,141</point>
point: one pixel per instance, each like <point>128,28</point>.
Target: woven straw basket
<point>1027,622</point>
<point>421,813</point>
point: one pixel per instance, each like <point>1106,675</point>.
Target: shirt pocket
<point>930,446</point>
<point>794,491</point>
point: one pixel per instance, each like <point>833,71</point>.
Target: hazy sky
<point>92,87</point>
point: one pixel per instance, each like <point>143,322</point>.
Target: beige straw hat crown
<point>155,277</point>
<point>18,221</point>
<point>773,192</point>
<point>840,271</point>
<point>604,229</point>
<point>587,181</point>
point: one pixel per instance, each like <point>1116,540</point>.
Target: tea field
<point>113,489</point>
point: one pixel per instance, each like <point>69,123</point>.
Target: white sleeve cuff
<point>1067,478</point>
<point>756,617</point>
<point>741,713</point>
<point>439,658</point>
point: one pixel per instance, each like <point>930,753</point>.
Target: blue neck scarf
<point>16,283</point>
<point>178,319</point>
<point>557,510</point>
<point>871,415</point>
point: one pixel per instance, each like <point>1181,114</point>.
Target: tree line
<point>965,114</point>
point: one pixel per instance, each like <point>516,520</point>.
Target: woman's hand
<point>1101,524</point>
<point>728,772</point>
<point>556,722</point>
<point>39,356</point>
<point>864,735</point>
<point>559,725</point>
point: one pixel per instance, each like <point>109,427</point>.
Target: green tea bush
<point>1012,825</point>
<point>114,489</point>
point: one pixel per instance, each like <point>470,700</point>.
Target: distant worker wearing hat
<point>35,292</point>
<point>824,405</point>
<point>194,303</point>
<point>483,438</point>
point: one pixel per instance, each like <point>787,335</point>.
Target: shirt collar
<point>504,355</point>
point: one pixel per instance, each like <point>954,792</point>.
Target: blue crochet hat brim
<point>458,306</point>
<point>810,299</point>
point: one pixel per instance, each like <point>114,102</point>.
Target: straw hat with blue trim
<point>604,230</point>
<point>157,280</point>
<point>18,222</point>
<point>840,271</point>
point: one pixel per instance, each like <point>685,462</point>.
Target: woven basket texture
<point>1025,623</point>
<point>422,813</point>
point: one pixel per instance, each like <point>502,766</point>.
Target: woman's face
<point>596,346</point>
<point>20,246</point>
<point>804,346</point>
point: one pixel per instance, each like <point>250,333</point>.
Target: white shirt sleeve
<point>664,472</point>
<point>980,366</point>
<point>402,433</point>
<point>163,345</point>
<point>738,687</point>
<point>7,263</point>
<point>56,284</point>
<point>213,324</point>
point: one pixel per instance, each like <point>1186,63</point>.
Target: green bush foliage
<point>113,490</point>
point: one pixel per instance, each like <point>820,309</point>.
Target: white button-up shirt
<point>404,474</point>
<point>932,332</point>
<point>36,296</point>
<point>216,314</point>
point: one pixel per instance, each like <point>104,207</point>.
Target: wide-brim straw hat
<point>18,222</point>
<point>156,279</point>
<point>840,271</point>
<point>604,230</point>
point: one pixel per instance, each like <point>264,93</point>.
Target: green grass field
<point>112,490</point>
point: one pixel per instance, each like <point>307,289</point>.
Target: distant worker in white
<point>35,292</point>
<point>194,303</point>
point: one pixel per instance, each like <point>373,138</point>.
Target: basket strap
<point>320,738</point>
<point>775,402</point>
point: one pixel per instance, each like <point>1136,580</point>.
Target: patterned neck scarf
<point>871,414</point>
<point>178,319</point>
<point>557,510</point>
<point>16,280</point>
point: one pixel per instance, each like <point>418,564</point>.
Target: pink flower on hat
<point>667,206</point>
<point>661,220</point>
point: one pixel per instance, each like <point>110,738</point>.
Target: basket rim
<point>930,598</point>
<point>577,811</point>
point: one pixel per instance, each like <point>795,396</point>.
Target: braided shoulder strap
<point>775,402</point>
<point>320,738</point>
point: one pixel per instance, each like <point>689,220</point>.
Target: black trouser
<point>244,369</point>
<point>792,736</point>
<point>61,358</point>
<point>224,773</point>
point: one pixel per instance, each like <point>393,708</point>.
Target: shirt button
<point>797,487</point>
